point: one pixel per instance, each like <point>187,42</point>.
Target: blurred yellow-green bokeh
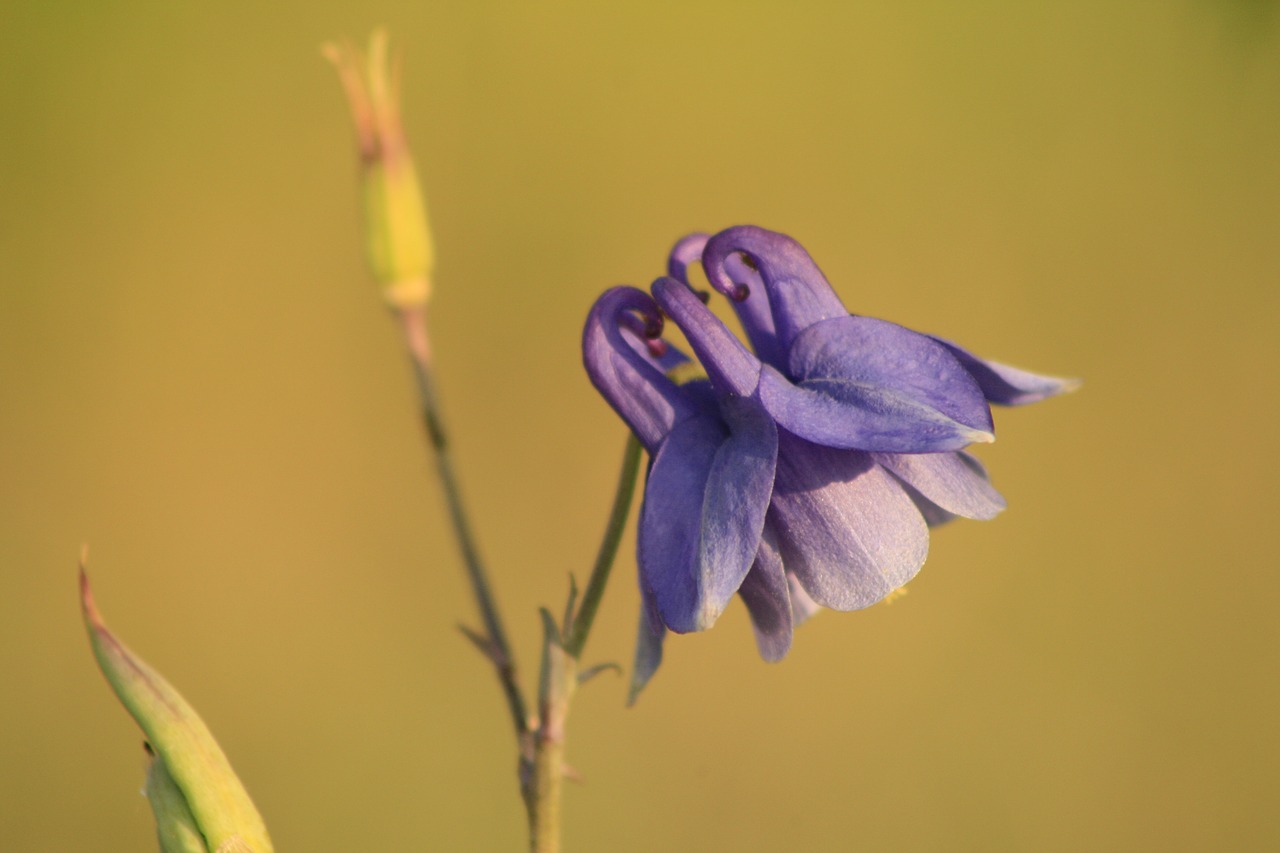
<point>198,379</point>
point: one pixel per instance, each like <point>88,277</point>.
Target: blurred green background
<point>198,380</point>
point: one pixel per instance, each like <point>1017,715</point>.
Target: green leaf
<point>186,751</point>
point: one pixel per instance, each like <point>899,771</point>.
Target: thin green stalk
<point>577,638</point>
<point>414,324</point>
<point>543,777</point>
<point>541,741</point>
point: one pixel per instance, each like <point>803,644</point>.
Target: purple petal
<point>846,528</point>
<point>731,368</point>
<point>657,352</point>
<point>630,382</point>
<point>703,512</point>
<point>872,385</point>
<point>649,637</point>
<point>686,252</point>
<point>954,482</point>
<point>1009,386</point>
<point>755,313</point>
<point>799,294</point>
<point>768,600</point>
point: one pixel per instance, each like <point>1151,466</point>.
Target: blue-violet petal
<point>1009,386</point>
<point>631,382</point>
<point>868,384</point>
<point>799,294</point>
<point>703,512</point>
<point>649,636</point>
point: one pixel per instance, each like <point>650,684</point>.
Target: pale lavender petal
<point>846,528</point>
<point>649,637</point>
<point>934,515</point>
<point>955,482</point>
<point>856,382</point>
<point>768,600</point>
<point>704,508</point>
<point>1009,386</point>
<point>803,608</point>
<point>799,294</point>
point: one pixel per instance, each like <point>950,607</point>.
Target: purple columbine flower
<point>870,418</point>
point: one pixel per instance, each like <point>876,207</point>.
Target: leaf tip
<point>92,617</point>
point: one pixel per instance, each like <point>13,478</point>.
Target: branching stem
<point>540,740</point>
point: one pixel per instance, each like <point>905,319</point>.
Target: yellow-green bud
<point>398,235</point>
<point>190,784</point>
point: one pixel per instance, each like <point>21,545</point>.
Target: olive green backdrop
<point>197,379</point>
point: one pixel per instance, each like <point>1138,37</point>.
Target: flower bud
<point>397,234</point>
<point>193,790</point>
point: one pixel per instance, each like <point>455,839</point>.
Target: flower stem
<point>414,325</point>
<point>577,638</point>
<point>542,779</point>
<point>544,817</point>
<point>544,807</point>
<point>540,741</point>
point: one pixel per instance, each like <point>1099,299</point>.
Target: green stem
<point>541,742</point>
<point>544,802</point>
<point>414,326</point>
<point>545,779</point>
<point>543,776</point>
<point>577,638</point>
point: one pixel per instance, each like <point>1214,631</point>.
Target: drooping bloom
<point>871,420</point>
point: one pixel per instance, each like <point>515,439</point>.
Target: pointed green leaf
<point>592,671</point>
<point>198,767</point>
<point>567,625</point>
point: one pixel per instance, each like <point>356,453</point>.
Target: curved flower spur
<point>871,419</point>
